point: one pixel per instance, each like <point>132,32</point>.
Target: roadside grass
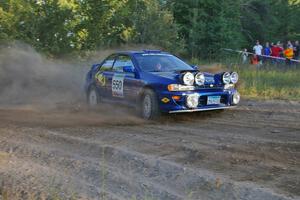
<point>264,82</point>
<point>269,83</point>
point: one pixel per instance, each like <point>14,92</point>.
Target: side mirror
<point>128,69</point>
<point>195,67</point>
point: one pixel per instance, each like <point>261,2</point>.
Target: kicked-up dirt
<point>249,152</point>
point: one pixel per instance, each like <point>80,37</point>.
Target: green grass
<point>265,82</point>
<point>269,83</point>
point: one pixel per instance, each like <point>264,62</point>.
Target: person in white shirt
<point>258,51</point>
<point>258,48</point>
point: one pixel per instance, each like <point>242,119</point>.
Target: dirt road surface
<point>249,152</point>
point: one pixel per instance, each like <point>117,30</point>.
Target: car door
<point>103,77</point>
<point>124,84</point>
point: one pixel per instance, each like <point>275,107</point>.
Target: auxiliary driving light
<point>234,77</point>
<point>226,78</point>
<point>199,78</point>
<point>192,100</point>
<point>188,78</point>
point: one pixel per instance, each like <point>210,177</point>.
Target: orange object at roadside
<point>254,60</point>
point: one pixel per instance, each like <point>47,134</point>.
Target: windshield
<point>161,63</point>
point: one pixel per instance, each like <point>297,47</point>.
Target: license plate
<point>211,100</point>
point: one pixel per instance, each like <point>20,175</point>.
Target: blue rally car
<point>157,82</point>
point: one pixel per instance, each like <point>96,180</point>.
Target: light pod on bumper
<point>192,100</point>
<point>226,78</point>
<point>199,78</point>
<point>234,77</point>
<point>188,78</point>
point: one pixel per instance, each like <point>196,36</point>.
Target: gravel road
<point>68,152</point>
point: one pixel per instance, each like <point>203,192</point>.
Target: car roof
<point>133,52</point>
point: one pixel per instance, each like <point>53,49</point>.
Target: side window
<point>108,63</point>
<point>122,61</point>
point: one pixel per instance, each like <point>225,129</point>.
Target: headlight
<point>236,98</point>
<point>178,87</point>
<point>188,78</point>
<point>234,77</point>
<point>200,78</point>
<point>226,78</point>
<point>192,100</point>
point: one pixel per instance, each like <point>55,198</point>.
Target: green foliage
<point>154,25</point>
<point>64,26</point>
<point>207,25</point>
<point>270,20</point>
<point>196,28</point>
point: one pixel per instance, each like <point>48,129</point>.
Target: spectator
<point>258,51</point>
<point>267,51</point>
<point>288,53</point>
<point>254,59</point>
<point>245,56</point>
<point>276,50</point>
<point>297,50</point>
<point>289,44</point>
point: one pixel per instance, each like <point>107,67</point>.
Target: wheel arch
<point>146,87</point>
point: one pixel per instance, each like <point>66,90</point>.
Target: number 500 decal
<point>117,85</point>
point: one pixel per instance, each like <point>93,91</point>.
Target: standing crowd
<point>274,52</point>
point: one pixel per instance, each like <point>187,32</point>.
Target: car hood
<point>175,77</point>
<point>167,75</point>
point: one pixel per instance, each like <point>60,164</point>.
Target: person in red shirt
<point>276,51</point>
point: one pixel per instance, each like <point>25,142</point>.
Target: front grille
<point>209,87</point>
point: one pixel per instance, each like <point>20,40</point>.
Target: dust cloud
<point>26,77</point>
<point>29,78</point>
<point>36,90</point>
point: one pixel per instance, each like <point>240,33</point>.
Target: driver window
<point>108,63</point>
<point>122,61</point>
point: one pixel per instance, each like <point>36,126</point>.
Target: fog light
<point>192,100</point>
<point>236,98</point>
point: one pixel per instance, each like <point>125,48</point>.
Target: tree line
<point>194,28</point>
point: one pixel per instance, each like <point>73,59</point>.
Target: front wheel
<point>93,97</point>
<point>149,105</point>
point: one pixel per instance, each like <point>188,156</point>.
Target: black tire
<point>149,108</point>
<point>93,97</point>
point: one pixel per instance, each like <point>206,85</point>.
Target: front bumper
<point>168,104</point>
<point>202,109</point>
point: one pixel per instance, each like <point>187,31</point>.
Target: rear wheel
<point>93,97</point>
<point>149,105</point>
